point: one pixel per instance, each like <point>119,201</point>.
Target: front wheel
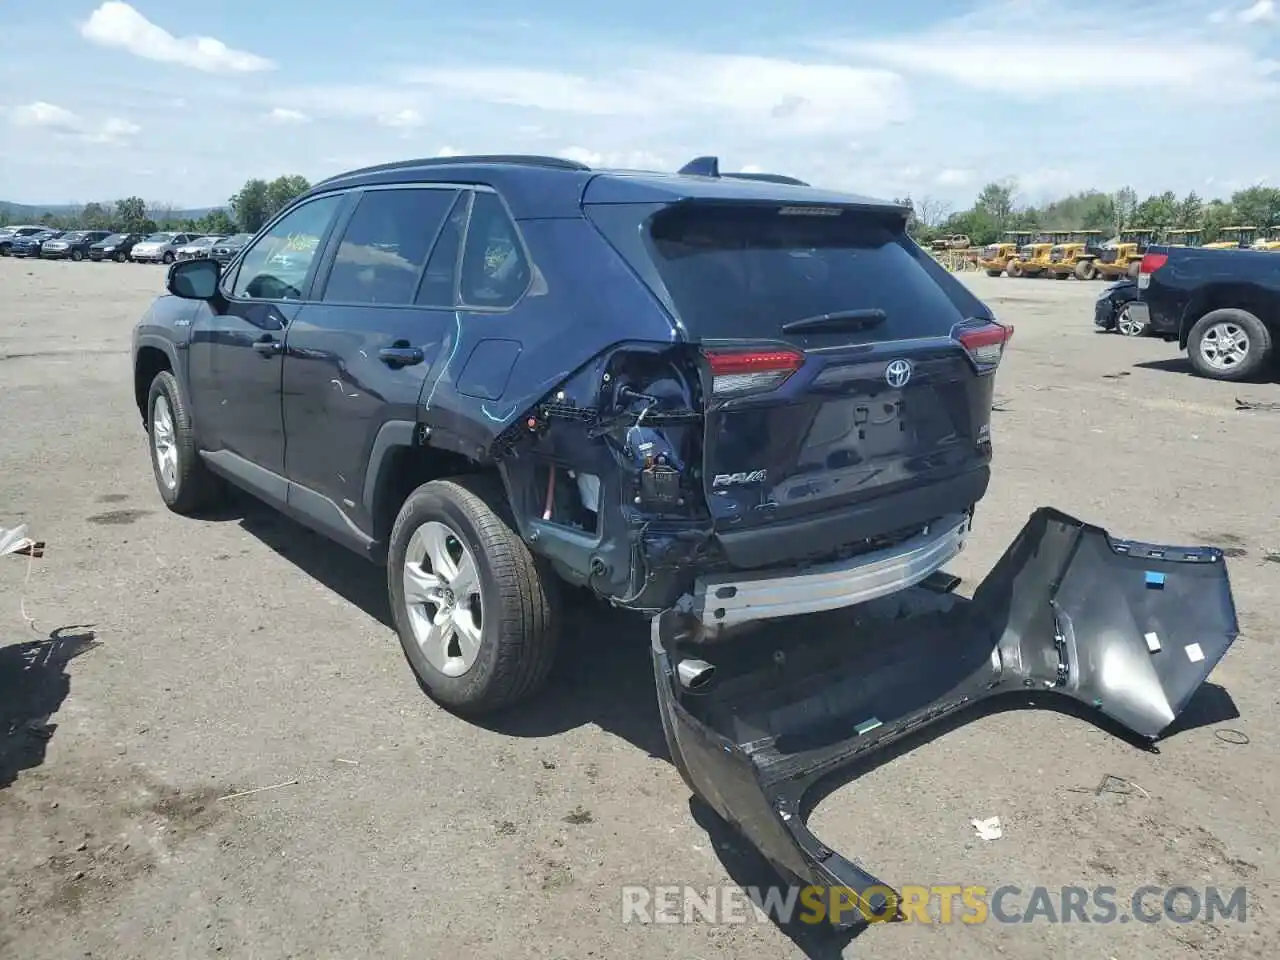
<point>1229,344</point>
<point>474,609</point>
<point>1014,269</point>
<point>185,483</point>
<point>119,256</point>
<point>77,256</point>
<point>1133,269</point>
<point>1086,270</point>
<point>167,258</point>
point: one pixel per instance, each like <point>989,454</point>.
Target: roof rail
<point>553,163</point>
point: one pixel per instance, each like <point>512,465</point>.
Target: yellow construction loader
<point>1121,257</point>
<point>1077,256</point>
<point>1033,258</point>
<point>1181,238</point>
<point>1234,238</point>
<point>996,256</point>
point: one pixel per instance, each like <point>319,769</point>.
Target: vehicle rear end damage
<point>827,398</point>
<point>1127,630</point>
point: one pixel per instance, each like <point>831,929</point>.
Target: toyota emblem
<point>897,373</point>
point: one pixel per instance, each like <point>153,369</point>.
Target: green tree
<point>1158,211</point>
<point>282,190</point>
<point>95,216</point>
<point>1125,204</point>
<point>216,223</point>
<point>996,201</point>
<point>1189,212</point>
<point>251,205</point>
<point>1257,206</point>
<point>1217,214</point>
<point>131,216</point>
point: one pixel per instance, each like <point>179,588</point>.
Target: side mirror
<point>194,279</point>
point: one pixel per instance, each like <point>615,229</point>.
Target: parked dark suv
<point>73,245</point>
<point>115,247</point>
<point>721,400</point>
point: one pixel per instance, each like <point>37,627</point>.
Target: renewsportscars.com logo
<point>942,904</point>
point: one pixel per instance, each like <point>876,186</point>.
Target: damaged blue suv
<point>722,400</point>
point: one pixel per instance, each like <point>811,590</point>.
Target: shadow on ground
<point>33,683</point>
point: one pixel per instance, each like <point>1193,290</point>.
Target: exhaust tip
<point>694,675</point>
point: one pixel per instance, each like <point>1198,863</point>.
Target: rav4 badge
<point>739,479</point>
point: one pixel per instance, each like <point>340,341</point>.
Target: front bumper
<point>1129,630</point>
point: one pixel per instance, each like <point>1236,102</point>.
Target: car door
<point>236,353</point>
<point>358,355</point>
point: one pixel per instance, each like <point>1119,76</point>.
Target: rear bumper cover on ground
<point>1126,629</point>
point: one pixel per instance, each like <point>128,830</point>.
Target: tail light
<point>738,372</point>
<point>984,341</point>
<point>1151,262</point>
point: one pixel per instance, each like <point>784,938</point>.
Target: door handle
<point>401,356</point>
<point>268,346</point>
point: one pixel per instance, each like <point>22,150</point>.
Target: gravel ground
<point>181,661</point>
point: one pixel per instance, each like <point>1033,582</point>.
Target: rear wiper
<point>837,320</point>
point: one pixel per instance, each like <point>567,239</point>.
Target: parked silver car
<point>160,247</point>
<point>197,248</point>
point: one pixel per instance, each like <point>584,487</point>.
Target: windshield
<point>159,238</point>
<point>73,235</point>
<point>115,238</point>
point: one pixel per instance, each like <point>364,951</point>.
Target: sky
<point>181,103</point>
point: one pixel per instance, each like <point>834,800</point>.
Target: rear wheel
<point>1229,344</point>
<point>473,608</point>
<point>1086,270</point>
<point>1014,269</point>
<point>1130,326</point>
<point>993,273</point>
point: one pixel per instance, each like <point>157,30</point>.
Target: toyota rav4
<point>725,400</point>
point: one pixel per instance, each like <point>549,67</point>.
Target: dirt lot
<point>181,661</point>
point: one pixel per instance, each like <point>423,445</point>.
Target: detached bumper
<point>1130,630</point>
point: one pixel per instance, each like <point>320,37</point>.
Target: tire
<point>1229,344</point>
<point>993,273</point>
<point>120,256</point>
<point>77,256</point>
<point>4,250</point>
<point>167,258</point>
<point>1086,270</point>
<point>515,641</point>
<point>1132,269</point>
<point>1014,269</point>
<point>187,486</point>
<point>1127,327</point>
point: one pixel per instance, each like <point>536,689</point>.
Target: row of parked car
<point>163,247</point>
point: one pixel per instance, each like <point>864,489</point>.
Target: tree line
<point>997,209</point>
<point>247,209</point>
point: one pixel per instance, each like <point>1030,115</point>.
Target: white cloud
<point>951,177</point>
<point>1263,10</point>
<point>60,120</point>
<point>119,26</point>
<point>448,152</point>
<point>401,119</point>
<point>1007,49</point>
<point>287,115</point>
<point>780,95</point>
<point>623,160</point>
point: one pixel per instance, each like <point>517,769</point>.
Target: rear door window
<point>439,287</point>
<point>385,245</point>
<point>744,271</point>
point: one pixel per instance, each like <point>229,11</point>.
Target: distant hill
<point>33,211</point>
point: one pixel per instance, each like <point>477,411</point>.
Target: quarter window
<point>495,272</point>
<point>277,266</point>
<point>385,246</point>
<point>440,279</point>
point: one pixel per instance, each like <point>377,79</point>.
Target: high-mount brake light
<point>738,372</point>
<point>984,342</point>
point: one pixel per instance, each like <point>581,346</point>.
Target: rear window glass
<point>737,271</point>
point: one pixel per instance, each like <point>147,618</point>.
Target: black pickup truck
<point>1222,306</point>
